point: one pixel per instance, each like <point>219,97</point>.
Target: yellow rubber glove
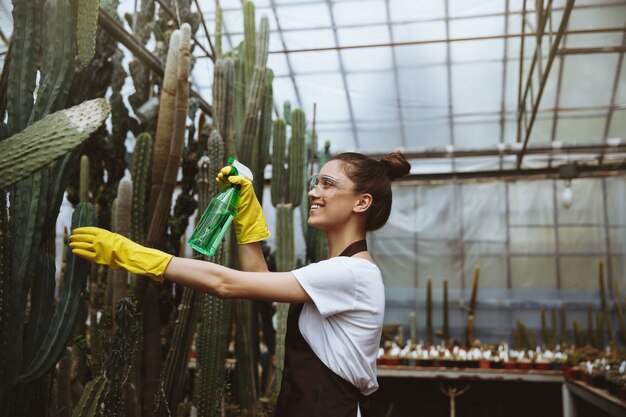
<point>107,248</point>
<point>250,224</point>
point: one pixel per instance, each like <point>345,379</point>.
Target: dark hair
<point>374,177</point>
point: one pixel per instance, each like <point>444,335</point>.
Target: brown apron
<point>308,387</point>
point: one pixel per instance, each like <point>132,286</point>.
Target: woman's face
<point>332,197</point>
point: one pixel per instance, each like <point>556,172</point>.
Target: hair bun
<point>396,164</point>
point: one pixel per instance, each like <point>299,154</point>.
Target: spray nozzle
<point>239,169</point>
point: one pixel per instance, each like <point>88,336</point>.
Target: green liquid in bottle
<point>210,231</point>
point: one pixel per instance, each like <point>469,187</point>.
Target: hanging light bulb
<point>567,196</point>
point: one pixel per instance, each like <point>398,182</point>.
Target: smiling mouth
<point>316,206</point>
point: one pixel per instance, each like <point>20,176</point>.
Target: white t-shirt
<point>343,325</point>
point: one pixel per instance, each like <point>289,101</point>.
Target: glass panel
<point>341,139</point>
<point>618,240</point>
<point>411,57</point>
<point>592,76</point>
<point>423,92</point>
<point>536,272</point>
<point>484,212</point>
<point>309,15</point>
<point>492,269</point>
<point>328,92</point>
<point>579,273</point>
<point>398,269</point>
<point>477,27</point>
<point>618,121</point>
<point>303,39</point>
<point>438,214</point>
<point>580,127</point>
<point>380,139</point>
<point>360,13</point>
<point>475,7</point>
<point>477,132</point>
<point>531,203</point>
<point>478,51</point>
<point>536,240</point>
<point>403,10</point>
<point>582,240</point>
<point>615,192</point>
<point>319,62</point>
<point>374,98</point>
<point>368,59</point>
<point>439,261</point>
<point>485,94</point>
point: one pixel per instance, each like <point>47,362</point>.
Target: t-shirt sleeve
<point>330,284</point>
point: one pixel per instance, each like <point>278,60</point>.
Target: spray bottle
<point>208,234</point>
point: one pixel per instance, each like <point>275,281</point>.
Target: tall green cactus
<point>65,314</point>
<point>249,37</point>
<point>86,28</point>
<point>122,227</point>
<point>446,326</point>
<point>620,312</point>
<point>296,159</point>
<point>605,305</point>
<point>118,361</point>
<point>429,312</point>
<point>279,176</point>
<point>140,172</point>
<point>91,397</point>
<point>223,101</point>
<point>176,360</point>
<point>248,147</point>
<point>214,328</point>
<point>563,334</point>
<point>218,30</point>
<point>165,121</point>
<point>265,131</point>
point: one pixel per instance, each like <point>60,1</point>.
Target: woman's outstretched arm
<point>224,282</point>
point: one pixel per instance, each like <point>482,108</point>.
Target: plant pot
<point>484,364</point>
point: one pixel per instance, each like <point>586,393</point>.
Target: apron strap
<point>354,248</point>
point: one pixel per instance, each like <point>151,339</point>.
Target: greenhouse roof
<point>442,79</point>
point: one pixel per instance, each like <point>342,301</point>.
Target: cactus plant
<point>65,315</point>
<point>223,101</point>
<point>122,227</point>
<point>429,312</point>
<point>218,30</point>
<point>563,318</point>
<point>86,28</point>
<point>167,177</point>
<point>248,147</point>
<point>165,121</point>
<point>214,328</point>
<point>279,186</point>
<point>605,305</point>
<point>446,326</point>
<point>91,397</point>
<point>140,172</point>
<point>49,139</point>
<point>296,159</point>
<point>619,311</point>
<point>249,41</point>
<point>265,131</point>
<point>591,337</point>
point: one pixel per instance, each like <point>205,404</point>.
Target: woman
<point>337,305</point>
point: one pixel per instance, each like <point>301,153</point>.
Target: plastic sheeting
<point>533,253</point>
